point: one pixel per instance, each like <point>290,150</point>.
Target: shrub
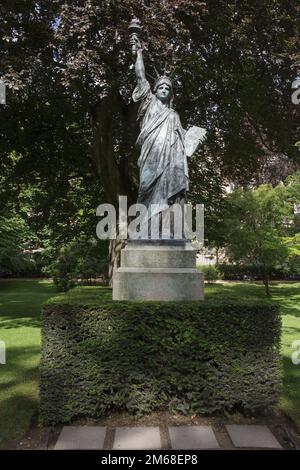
<point>78,261</point>
<point>15,239</point>
<point>193,357</point>
<point>239,272</point>
<point>210,271</point>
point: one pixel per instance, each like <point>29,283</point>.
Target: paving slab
<point>192,437</point>
<point>81,438</point>
<point>252,435</point>
<point>137,438</point>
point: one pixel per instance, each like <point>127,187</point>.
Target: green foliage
<point>211,272</point>
<point>70,84</point>
<point>68,130</point>
<point>14,239</point>
<point>240,272</point>
<point>100,356</point>
<point>78,261</point>
<point>257,224</point>
<point>293,244</point>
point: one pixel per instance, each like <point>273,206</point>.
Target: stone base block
<point>159,272</point>
<point>145,255</point>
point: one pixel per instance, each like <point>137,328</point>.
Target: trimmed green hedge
<point>238,272</point>
<point>197,357</point>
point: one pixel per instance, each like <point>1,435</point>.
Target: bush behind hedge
<point>238,272</point>
<point>210,271</point>
<point>140,357</point>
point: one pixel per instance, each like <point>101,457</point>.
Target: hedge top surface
<point>94,296</point>
<point>87,295</point>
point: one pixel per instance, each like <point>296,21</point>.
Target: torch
<point>134,30</point>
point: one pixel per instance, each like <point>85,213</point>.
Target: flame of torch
<point>134,30</point>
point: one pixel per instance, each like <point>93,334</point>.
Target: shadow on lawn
<point>17,358</point>
<point>18,391</point>
<point>20,302</point>
<point>16,415</point>
<point>290,389</point>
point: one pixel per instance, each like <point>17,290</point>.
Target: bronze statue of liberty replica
<point>156,267</point>
<point>162,140</point>
<point>162,161</point>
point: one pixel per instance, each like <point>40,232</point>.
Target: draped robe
<point>162,161</point>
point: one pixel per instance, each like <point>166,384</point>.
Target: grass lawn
<point>20,305</point>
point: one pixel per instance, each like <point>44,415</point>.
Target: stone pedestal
<point>162,270</point>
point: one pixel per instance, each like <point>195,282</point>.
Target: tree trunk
<point>266,280</point>
<point>115,247</point>
<point>217,256</point>
<point>106,165</point>
<point>117,178</point>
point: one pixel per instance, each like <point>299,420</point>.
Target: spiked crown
<point>166,77</point>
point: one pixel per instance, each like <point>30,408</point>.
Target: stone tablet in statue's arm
<point>193,138</point>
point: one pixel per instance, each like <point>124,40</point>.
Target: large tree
<point>261,228</point>
<point>69,115</point>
